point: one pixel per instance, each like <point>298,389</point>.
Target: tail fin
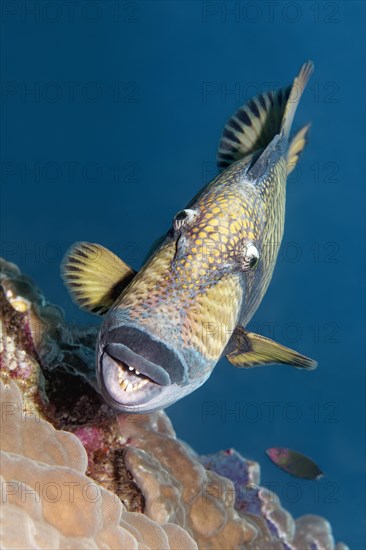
<point>255,124</point>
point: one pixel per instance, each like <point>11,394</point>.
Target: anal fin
<point>94,276</point>
<point>247,349</point>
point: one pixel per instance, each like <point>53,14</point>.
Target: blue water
<point>113,111</point>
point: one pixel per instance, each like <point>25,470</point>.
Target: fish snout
<point>136,372</point>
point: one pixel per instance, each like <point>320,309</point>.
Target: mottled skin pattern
<point>192,292</point>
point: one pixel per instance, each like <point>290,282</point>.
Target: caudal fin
<point>257,122</point>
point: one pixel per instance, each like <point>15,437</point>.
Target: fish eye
<point>183,217</point>
<point>251,257</point>
<point>253,262</point>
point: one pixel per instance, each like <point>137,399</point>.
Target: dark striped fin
<point>256,123</point>
<point>94,276</point>
<point>252,127</point>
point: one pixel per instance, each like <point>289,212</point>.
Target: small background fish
<point>294,463</point>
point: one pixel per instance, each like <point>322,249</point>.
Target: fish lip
<point>123,353</point>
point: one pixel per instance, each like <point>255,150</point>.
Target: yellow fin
<point>296,147</point>
<point>247,349</point>
<point>94,276</point>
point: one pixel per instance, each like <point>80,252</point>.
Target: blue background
<point>112,115</point>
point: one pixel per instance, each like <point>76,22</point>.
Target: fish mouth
<point>135,368</point>
<point>128,380</point>
<point>138,373</point>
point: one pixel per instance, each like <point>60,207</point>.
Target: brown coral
<point>48,502</point>
<point>174,484</point>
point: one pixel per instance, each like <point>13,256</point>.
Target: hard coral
<point>49,502</point>
<point>116,481</point>
<point>176,485</point>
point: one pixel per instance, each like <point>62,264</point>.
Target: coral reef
<point>48,502</point>
<point>76,474</point>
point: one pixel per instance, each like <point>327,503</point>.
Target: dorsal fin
<point>94,276</point>
<point>252,127</point>
<point>256,123</point>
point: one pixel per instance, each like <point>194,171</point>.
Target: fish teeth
<point>127,386</point>
<point>124,384</point>
<point>132,369</point>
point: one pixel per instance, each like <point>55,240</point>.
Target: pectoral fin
<point>247,349</point>
<point>94,276</point>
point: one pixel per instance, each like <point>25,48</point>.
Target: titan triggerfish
<point>166,327</point>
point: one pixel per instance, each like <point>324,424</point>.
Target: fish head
<point>163,337</point>
<point>278,455</point>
